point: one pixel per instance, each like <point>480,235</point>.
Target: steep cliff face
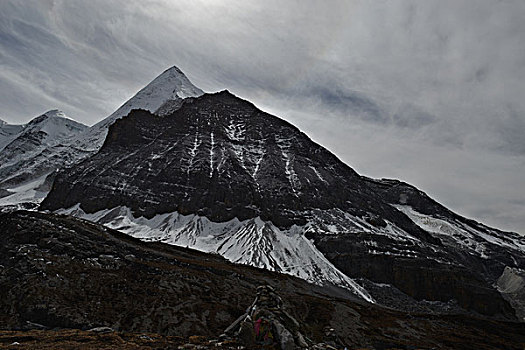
<point>220,157</point>
<point>219,175</point>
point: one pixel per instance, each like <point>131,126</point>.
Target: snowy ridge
<point>30,192</point>
<point>25,148</point>
<point>54,125</point>
<point>456,232</point>
<point>252,242</point>
<point>58,128</point>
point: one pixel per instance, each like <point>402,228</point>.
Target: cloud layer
<point>429,92</point>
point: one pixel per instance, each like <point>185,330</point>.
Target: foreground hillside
<point>62,272</point>
<point>78,339</point>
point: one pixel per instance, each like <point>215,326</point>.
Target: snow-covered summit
<point>26,151</point>
<point>169,88</point>
<point>55,113</point>
<point>172,84</point>
<point>56,125</point>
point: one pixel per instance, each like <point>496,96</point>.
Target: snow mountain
<point>219,175</point>
<point>26,153</point>
<point>26,161</point>
<point>163,95</point>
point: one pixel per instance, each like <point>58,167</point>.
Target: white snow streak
<point>284,146</point>
<point>193,153</point>
<point>212,145</point>
<point>318,174</point>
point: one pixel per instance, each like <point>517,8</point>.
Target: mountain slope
<point>25,158</point>
<point>62,272</point>
<point>222,176</point>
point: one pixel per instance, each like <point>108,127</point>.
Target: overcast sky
<point>429,92</point>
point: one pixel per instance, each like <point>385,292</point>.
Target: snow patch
<point>462,234</point>
<point>25,193</point>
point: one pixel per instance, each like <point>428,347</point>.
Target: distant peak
<point>54,117</point>
<point>54,113</point>
<point>174,69</point>
<point>172,84</point>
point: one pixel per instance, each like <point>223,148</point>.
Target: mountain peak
<point>51,114</point>
<point>170,85</point>
<point>174,69</point>
<point>56,124</point>
<point>55,113</point>
<point>55,116</point>
<point>164,92</point>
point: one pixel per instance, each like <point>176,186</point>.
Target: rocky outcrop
<point>424,276</point>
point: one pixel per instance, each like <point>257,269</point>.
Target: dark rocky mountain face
<point>62,272</point>
<point>218,159</point>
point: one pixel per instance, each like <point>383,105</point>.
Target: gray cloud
<point>430,92</point>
